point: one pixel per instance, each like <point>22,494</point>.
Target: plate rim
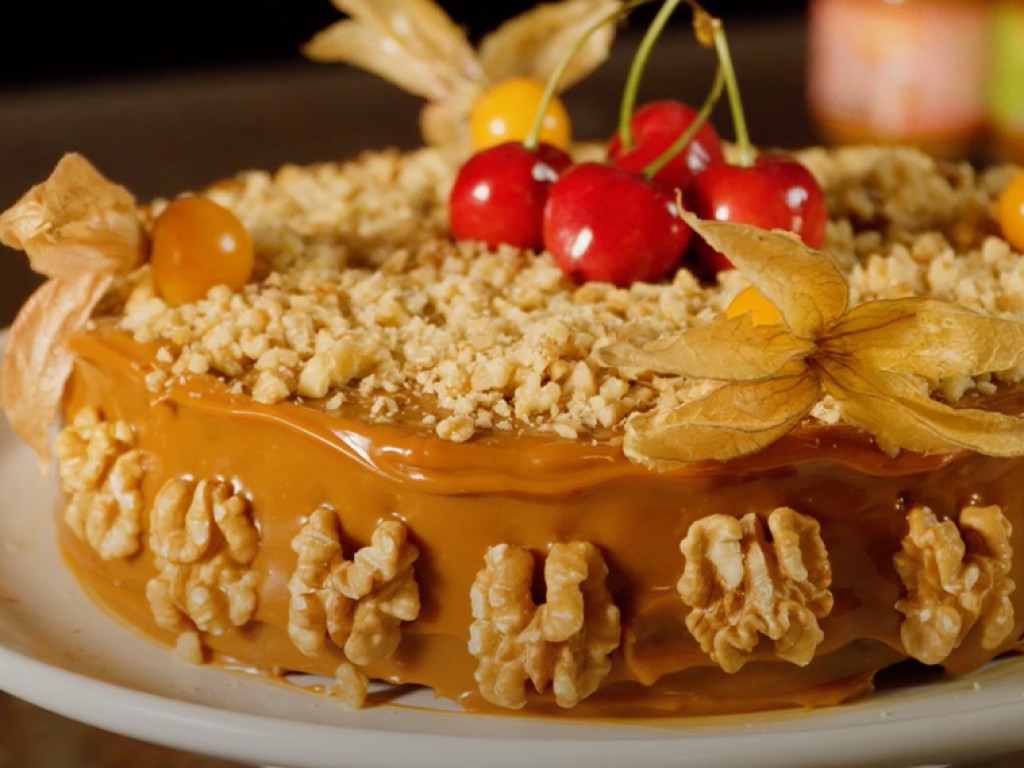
<point>219,732</point>
<point>883,732</point>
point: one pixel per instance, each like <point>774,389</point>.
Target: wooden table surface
<point>166,133</point>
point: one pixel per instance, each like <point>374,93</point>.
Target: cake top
<point>360,297</point>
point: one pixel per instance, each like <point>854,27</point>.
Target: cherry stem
<point>732,89</point>
<point>533,137</point>
<point>691,130</point>
<point>710,32</point>
<point>643,53</point>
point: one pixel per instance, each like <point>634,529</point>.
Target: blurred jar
<point>1006,94</point>
<point>900,71</point>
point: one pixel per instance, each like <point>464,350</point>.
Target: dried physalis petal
<point>417,46</point>
<point>716,350</point>
<point>534,43</point>
<point>808,288</point>
<point>75,223</point>
<point>411,43</point>
<point>565,643</point>
<point>36,363</point>
<point>875,361</point>
<point>928,338</point>
<point>955,577</point>
<point>731,421</point>
<point>741,584</point>
<point>414,45</point>
<point>78,229</point>
<point>901,414</point>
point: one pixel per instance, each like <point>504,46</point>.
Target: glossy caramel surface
<point>459,499</point>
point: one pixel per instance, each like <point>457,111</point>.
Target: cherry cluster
<point>617,220</point>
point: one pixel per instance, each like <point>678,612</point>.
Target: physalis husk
<point>874,359</point>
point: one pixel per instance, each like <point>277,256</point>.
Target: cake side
<point>836,516</point>
<point>649,426</point>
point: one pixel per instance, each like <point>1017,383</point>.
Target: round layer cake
<point>393,456</point>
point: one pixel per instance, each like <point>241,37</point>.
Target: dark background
<point>70,41</point>
<point>168,97</point>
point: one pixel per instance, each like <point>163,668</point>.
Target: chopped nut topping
<point>203,540</point>
<point>350,685</point>
<point>101,471</point>
<point>363,293</point>
<point>359,604</point>
<point>189,647</point>
<point>899,192</point>
<point>956,577</point>
<point>741,583</point>
<point>564,643</point>
<point>363,303</point>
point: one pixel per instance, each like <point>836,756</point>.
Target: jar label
<point>899,70</point>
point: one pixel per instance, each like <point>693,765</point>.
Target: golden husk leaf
<point>535,42</point>
<point>415,45</point>
<point>729,349</point>
<point>877,360</point>
<point>806,285</point>
<point>80,230</point>
<point>75,222</point>
<point>411,43</point>
<point>36,362</point>
<point>900,414</point>
<point>926,337</point>
<point>734,420</point>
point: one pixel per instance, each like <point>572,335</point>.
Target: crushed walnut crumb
<point>362,302</point>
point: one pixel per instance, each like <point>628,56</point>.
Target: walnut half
<point>358,604</point>
<point>955,577</point>
<point>203,541</point>
<point>564,643</point>
<point>740,584</point>
<point>100,469</point>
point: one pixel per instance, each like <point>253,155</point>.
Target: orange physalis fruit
<point>198,244</point>
<point>506,112</point>
<point>762,311</point>
<point>1011,212</point>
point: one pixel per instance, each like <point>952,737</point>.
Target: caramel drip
<point>532,490</point>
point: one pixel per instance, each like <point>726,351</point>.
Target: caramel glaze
<point>459,499</point>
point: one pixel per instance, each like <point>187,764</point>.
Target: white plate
<point>59,652</point>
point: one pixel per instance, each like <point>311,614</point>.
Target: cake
<point>383,453</point>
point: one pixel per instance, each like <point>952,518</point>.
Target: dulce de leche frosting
<point>846,606</point>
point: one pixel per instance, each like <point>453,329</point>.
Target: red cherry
<point>499,194</point>
<point>605,224</point>
<point>656,126</point>
<point>776,192</point>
